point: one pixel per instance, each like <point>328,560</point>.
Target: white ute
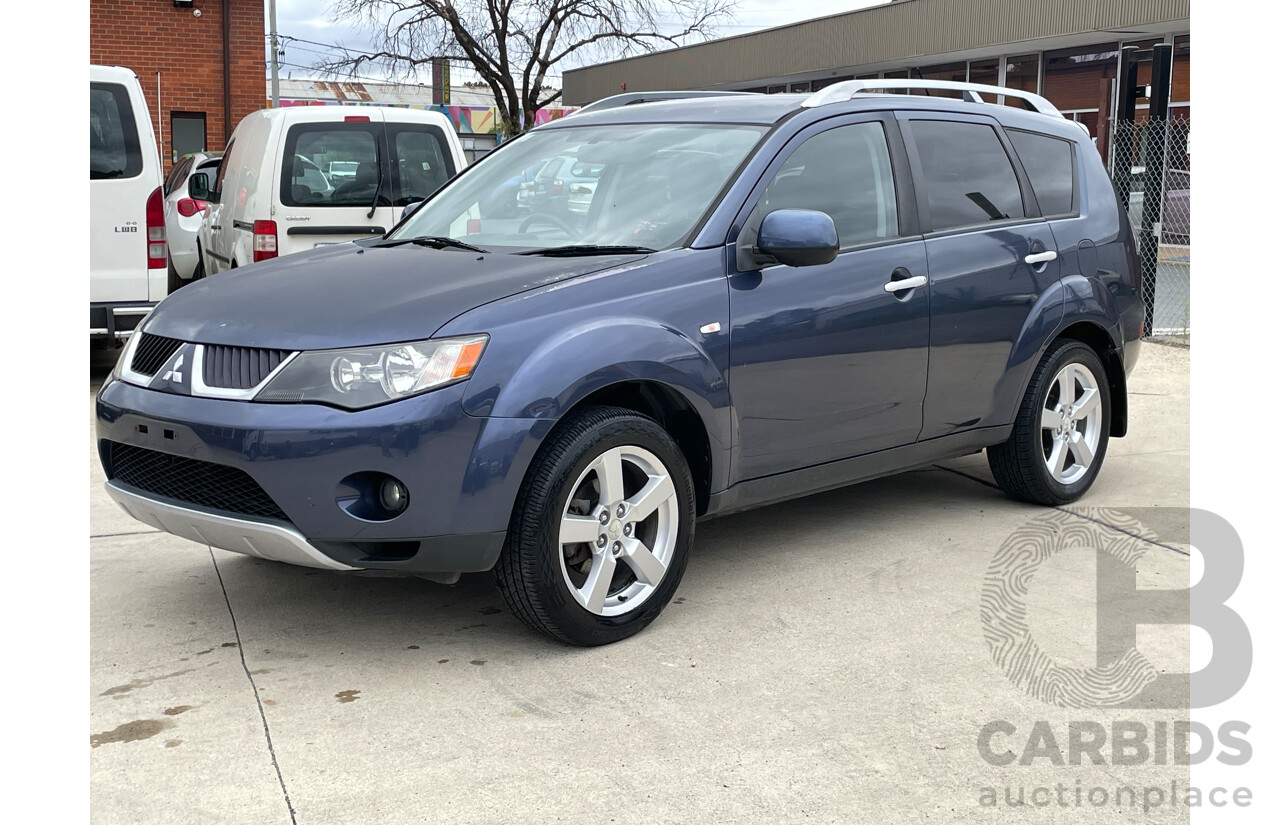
<point>128,258</point>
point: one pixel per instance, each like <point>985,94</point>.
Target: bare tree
<point>514,44</point>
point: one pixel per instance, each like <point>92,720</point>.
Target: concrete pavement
<point>824,660</point>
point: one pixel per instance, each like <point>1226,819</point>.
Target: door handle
<point>1041,257</point>
<point>906,283</point>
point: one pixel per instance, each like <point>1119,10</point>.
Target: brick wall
<point>151,35</point>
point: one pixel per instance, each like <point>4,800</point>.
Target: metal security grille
<point>195,482</point>
<point>239,367</point>
<point>1160,210</point>
<point>152,352</point>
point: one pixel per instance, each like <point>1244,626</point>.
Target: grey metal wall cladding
<point>896,31</point>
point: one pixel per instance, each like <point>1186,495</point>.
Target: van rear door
<point>332,172</point>
<point>122,177</point>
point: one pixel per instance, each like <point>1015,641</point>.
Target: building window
<point>941,71</point>
<point>1182,68</point>
<point>186,133</point>
<point>986,72</point>
<point>1073,78</point>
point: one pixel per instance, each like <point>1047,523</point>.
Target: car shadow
<point>281,607</point>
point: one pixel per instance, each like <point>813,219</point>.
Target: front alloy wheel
<point>600,534</point>
<point>618,533</point>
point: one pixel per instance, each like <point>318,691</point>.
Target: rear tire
<point>609,494</point>
<point>1061,431</point>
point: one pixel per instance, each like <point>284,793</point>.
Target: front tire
<point>1061,431</point>
<point>600,534</point>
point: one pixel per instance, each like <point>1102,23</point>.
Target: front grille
<point>195,482</point>
<point>239,368</point>
<point>152,353</point>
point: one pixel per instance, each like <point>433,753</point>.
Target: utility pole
<point>275,59</point>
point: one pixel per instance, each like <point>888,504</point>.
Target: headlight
<point>366,377</point>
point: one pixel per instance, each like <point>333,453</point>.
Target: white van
<point>305,176</point>
<point>128,259</point>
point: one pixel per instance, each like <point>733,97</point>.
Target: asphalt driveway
<point>824,661</point>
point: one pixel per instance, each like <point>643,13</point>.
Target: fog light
<point>393,496</point>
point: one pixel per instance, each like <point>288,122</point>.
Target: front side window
<point>222,169</point>
<point>114,150</point>
<point>967,175</point>
<point>846,173</point>
<point>1050,164</point>
<point>615,185</point>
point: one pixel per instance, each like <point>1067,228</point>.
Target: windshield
<point>627,185</point>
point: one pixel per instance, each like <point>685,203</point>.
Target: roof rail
<point>629,98</point>
<point>972,92</point>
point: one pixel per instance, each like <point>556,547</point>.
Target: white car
<point>296,178</point>
<point>182,217</point>
<point>127,252</point>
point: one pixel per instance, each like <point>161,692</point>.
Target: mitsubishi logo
<point>175,374</point>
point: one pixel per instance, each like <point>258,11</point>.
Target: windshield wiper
<point>433,241</point>
<point>377,189</point>
<point>583,249</point>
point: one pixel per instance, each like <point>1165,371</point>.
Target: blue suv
<point>767,297</point>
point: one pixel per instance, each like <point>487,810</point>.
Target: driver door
<point>826,363</point>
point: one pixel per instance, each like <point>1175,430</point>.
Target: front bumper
<point>261,538</point>
<point>462,474</point>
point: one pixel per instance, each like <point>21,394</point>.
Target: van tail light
<point>557,186</point>
<point>189,206</point>
<point>264,240</point>
<point>356,119</point>
<point>157,250</point>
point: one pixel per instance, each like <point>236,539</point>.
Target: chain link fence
<point>1150,164</point>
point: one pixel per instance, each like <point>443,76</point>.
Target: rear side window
<point>114,150</point>
<point>177,174</point>
<point>1050,164</point>
<point>967,175</point>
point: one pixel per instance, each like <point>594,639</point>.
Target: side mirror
<point>798,237</point>
<point>410,208</point>
<point>198,186</point>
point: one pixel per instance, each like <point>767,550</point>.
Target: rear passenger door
<point>991,257</point>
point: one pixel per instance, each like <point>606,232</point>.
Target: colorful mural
<point>468,120</point>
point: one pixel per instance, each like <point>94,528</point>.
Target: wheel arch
<point>1096,337</point>
<point>619,361</point>
<point>674,413</point>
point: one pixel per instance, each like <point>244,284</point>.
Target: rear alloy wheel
<point>1060,434</point>
<point>601,531</point>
